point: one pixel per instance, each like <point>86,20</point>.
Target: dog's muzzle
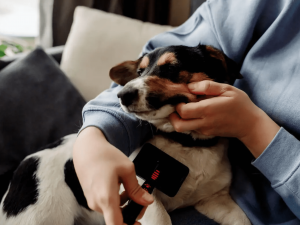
<point>128,96</point>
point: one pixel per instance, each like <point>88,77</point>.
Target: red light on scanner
<point>155,175</point>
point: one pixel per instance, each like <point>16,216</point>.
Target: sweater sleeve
<point>280,163</point>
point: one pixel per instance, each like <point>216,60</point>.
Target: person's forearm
<point>86,147</point>
<point>261,133</point>
<point>91,135</point>
<point>100,167</point>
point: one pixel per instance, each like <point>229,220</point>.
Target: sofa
<point>42,93</point>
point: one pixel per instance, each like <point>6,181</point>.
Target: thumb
<point>208,88</point>
<point>135,191</point>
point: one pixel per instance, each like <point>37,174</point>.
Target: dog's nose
<point>127,96</point>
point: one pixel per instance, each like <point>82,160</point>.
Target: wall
<point>179,12</point>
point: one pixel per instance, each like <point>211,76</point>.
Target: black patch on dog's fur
<point>72,181</point>
<point>23,190</point>
<point>155,100</point>
<point>187,140</point>
<point>191,59</point>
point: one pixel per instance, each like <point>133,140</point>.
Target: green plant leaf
<point>2,54</point>
<point>19,47</point>
<point>3,48</point>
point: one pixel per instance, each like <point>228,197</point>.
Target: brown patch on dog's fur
<point>124,72</point>
<point>215,53</point>
<point>168,89</point>
<point>144,63</point>
<point>186,77</point>
<point>199,77</point>
<point>168,57</point>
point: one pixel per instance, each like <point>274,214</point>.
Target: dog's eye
<point>140,71</point>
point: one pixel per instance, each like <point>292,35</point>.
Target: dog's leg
<point>223,210</point>
<point>156,214</point>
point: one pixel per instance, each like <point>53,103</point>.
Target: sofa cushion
<point>38,106</point>
<point>97,42</point>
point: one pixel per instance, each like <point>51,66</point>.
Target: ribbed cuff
<point>111,126</point>
<point>281,159</point>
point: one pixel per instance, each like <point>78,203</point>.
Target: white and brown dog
<point>45,189</point>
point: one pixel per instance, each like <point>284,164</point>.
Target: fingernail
<point>191,86</point>
<point>147,197</point>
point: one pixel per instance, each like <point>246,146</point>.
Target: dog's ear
<point>124,72</point>
<point>231,67</point>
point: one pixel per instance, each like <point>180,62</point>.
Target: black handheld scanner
<point>160,171</point>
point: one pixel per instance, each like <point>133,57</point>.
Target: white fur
<point>56,203</point>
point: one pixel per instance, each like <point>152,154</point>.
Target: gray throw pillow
<point>38,105</point>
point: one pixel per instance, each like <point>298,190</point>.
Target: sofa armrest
<point>55,52</point>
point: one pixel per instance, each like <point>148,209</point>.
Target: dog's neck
<point>188,138</point>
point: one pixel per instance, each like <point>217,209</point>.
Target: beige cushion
<point>97,42</point>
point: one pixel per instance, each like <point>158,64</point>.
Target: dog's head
<point>156,82</point>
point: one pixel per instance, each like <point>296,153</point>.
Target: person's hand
<point>101,168</point>
<point>228,113</point>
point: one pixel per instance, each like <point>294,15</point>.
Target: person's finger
<point>123,198</point>
<point>108,200</point>
<point>112,214</point>
<point>192,110</point>
<point>134,190</point>
<point>208,88</point>
<point>182,125</point>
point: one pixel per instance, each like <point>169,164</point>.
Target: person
<point>262,111</point>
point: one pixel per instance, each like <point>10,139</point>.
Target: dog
<point>46,190</point>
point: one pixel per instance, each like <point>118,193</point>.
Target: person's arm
<point>280,163</point>
<point>100,167</point>
<point>231,113</point>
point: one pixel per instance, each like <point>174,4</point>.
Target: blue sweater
<point>263,37</point>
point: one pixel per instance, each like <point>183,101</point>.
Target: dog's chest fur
<point>209,171</point>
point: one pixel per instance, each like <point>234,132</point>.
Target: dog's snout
<point>127,96</point>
